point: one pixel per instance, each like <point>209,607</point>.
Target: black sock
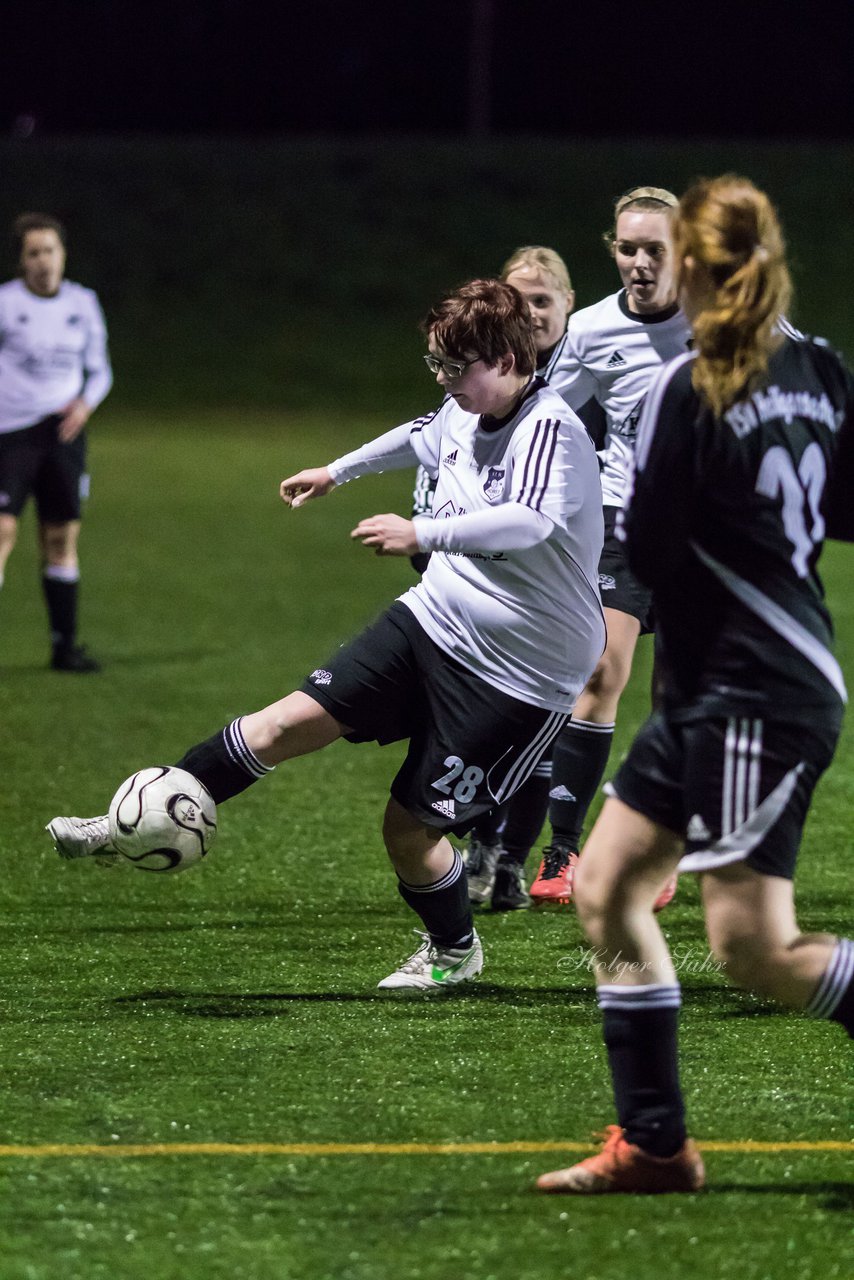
<point>640,1025</point>
<point>224,763</point>
<point>444,906</point>
<point>834,996</point>
<point>526,813</point>
<point>488,827</point>
<point>61,588</point>
<point>579,761</point>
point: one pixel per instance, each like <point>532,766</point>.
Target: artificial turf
<point>237,1004</point>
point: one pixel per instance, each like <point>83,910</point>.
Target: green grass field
<point>236,1005</point>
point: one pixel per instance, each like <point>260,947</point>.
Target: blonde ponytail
<point>730,230</point>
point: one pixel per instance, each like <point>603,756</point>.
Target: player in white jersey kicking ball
<point>480,663</point>
<point>54,370</point>
<point>612,351</point>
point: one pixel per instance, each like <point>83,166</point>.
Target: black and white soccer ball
<point>162,819</point>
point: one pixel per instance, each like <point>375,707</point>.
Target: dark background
<point>267,198</point>
<point>614,67</point>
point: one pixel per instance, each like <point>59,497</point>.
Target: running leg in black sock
<point>61,587</point>
<point>640,1027</point>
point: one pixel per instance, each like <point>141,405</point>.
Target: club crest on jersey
<point>493,485</point>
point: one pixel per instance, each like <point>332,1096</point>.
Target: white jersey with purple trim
<point>51,351</point>
<point>526,620</point>
<point>611,355</point>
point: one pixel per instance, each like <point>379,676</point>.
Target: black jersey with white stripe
<point>726,522</point>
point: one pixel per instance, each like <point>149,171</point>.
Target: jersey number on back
<point>801,492</point>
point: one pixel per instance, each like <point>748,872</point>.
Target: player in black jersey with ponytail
<point>744,464</point>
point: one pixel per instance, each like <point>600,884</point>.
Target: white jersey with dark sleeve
<point>726,522</point>
<point>516,532</point>
<point>610,355</point>
<point>52,350</point>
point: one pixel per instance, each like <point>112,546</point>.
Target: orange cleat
<point>668,893</point>
<point>621,1166</point>
<point>555,877</point>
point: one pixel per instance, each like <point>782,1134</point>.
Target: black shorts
<point>34,461</point>
<point>618,587</point>
<point>471,746</point>
<point>737,789</point>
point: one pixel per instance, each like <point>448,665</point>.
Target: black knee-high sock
<point>579,761</point>
<point>61,587</point>
<point>640,1026</point>
<point>224,763</point>
<point>444,907</point>
<point>487,828</point>
<point>834,996</point>
<point>526,814</point>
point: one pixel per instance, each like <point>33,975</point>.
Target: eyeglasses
<point>450,368</point>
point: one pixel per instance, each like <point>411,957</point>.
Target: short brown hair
<point>35,222</point>
<point>486,318</point>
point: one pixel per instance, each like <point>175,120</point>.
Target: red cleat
<point>555,877</point>
<point>621,1166</point>
<point>668,893</point>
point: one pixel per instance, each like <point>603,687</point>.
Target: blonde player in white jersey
<point>54,371</point>
<point>612,351</point>
<point>481,662</point>
<point>501,841</point>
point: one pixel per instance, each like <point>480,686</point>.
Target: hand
<point>314,482</point>
<point>391,535</point>
<point>73,419</point>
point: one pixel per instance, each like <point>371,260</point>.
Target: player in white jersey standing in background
<point>612,351</point>
<point>480,663</point>
<point>54,371</point>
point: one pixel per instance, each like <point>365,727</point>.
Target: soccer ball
<point>162,819</point>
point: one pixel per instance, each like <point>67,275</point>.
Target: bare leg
<point>750,919</point>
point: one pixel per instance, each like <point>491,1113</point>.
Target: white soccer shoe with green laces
<point>431,968</point>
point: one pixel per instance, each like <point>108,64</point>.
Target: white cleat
<point>432,967</point>
<point>83,838</point>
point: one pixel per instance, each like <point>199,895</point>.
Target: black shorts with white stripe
<point>618,587</point>
<point>736,788</point>
<point>470,745</point>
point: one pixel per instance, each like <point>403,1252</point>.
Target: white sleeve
<point>510,527</point>
<point>412,442</point>
<point>97,371</point>
<point>570,378</point>
<point>387,452</point>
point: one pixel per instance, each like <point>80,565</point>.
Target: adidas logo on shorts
<point>697,829</point>
<point>445,807</point>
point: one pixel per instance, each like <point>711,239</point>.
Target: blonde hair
<point>731,231</point>
<point>539,256</point>
<point>641,200</point>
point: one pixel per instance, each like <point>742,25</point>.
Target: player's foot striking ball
<point>479,664</point>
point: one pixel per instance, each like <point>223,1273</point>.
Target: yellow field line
<point>134,1149</point>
